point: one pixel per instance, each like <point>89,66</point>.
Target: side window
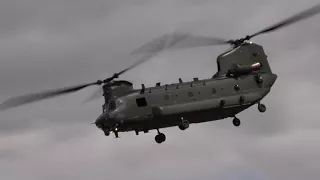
<point>112,105</point>
<point>141,102</point>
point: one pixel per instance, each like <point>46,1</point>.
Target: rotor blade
<point>172,41</point>
<point>95,95</point>
<point>142,60</point>
<point>158,44</point>
<point>30,98</point>
<point>192,41</point>
<point>300,16</point>
<point>98,93</point>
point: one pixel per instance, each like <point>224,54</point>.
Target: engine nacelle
<point>237,70</point>
<point>245,56</point>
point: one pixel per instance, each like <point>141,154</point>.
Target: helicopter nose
<point>101,120</point>
<point>107,120</point>
<point>116,117</point>
<point>110,118</point>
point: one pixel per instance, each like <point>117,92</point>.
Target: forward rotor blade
<point>95,95</point>
<point>293,19</point>
<point>139,62</point>
<point>142,60</point>
<point>159,44</point>
<point>171,41</point>
<point>98,93</point>
<point>30,98</point>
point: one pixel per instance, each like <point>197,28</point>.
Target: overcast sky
<point>50,44</point>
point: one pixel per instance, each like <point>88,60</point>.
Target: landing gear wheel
<point>262,108</point>
<point>106,132</point>
<point>137,132</point>
<point>160,138</point>
<point>236,122</point>
<point>116,134</point>
<point>184,125</point>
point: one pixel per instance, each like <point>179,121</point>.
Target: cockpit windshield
<point>115,104</point>
<point>112,105</point>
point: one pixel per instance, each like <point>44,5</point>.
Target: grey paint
<point>197,101</point>
<point>55,140</point>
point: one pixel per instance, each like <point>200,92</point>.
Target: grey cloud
<point>48,44</point>
<point>54,16</point>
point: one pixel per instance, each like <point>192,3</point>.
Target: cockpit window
<point>112,105</point>
<point>218,66</point>
<point>119,102</point>
<point>116,104</point>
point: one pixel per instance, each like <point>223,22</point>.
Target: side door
<point>143,109</point>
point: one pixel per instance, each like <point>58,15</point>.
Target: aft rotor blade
<point>30,98</point>
<point>293,19</point>
<point>171,41</point>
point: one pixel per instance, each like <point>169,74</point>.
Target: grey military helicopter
<point>244,78</point>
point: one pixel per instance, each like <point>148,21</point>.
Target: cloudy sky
<point>50,44</point>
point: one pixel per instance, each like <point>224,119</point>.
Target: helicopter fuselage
<point>196,101</point>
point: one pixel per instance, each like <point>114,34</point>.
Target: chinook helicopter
<point>243,79</point>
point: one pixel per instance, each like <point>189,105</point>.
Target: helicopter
<point>243,79</point>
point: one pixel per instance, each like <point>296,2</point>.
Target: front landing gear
<point>160,137</point>
<point>262,108</point>
<point>236,122</point>
<point>116,134</point>
<point>106,131</point>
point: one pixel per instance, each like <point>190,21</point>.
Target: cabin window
<point>190,94</point>
<point>141,102</point>
<point>112,105</point>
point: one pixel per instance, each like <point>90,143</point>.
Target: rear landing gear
<point>262,108</point>
<point>184,124</point>
<point>236,122</point>
<point>160,137</point>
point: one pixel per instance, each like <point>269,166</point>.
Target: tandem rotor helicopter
<point>243,79</point>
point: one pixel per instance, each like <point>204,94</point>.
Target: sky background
<point>51,44</point>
